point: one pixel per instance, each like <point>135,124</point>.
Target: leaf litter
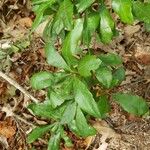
<point>119,131</point>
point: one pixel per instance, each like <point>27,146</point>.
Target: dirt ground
<point>22,55</point>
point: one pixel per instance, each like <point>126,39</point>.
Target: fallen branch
<point>17,86</point>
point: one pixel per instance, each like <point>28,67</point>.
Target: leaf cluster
<point>94,16</point>
<point>71,98</point>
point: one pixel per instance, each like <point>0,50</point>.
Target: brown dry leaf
<point>132,117</point>
<point>42,52</point>
<point>89,140</point>
<point>6,130</point>
<point>3,142</point>
<point>5,44</point>
<point>130,30</point>
<point>66,148</point>
<point>14,31</point>
<point>102,147</point>
<point>25,22</point>
<point>40,29</point>
<point>3,88</point>
<point>129,76</point>
<point>142,56</point>
<point>103,128</point>
<point>147,73</point>
<point>7,110</point>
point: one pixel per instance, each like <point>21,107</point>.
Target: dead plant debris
<point>119,131</point>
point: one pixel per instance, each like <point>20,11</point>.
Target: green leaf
<point>118,76</point>
<point>64,17</point>
<point>87,64</point>
<point>66,139</point>
<point>65,12</point>
<point>36,2</point>
<point>69,49</point>
<point>57,26</point>
<point>132,103</point>
<point>41,109</point>
<point>54,58</point>
<point>37,133</point>
<point>111,59</point>
<point>93,21</point>
<point>72,126</point>
<point>2,54</point>
<point>85,99</point>
<point>82,128</point>
<point>90,24</point>
<point>56,128</point>
<point>83,4</point>
<point>74,37</point>
<point>147,27</point>
<point>69,113</point>
<point>41,80</point>
<point>60,76</point>
<point>124,9</point>
<point>64,88</point>
<point>45,110</point>
<point>49,34</point>
<point>103,106</point>
<point>54,142</point>
<point>55,99</point>
<point>104,76</point>
<point>141,11</point>
<point>40,12</point>
<point>107,25</point>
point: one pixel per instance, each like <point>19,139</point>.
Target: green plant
<point>70,94</point>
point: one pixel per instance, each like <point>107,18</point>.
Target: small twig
<point>9,112</point>
<point>138,80</point>
<point>132,44</point>
<point>17,86</point>
<point>3,141</point>
<point>11,9</point>
<point>23,120</point>
<point>146,94</point>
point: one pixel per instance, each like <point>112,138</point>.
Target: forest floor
<point>22,55</point>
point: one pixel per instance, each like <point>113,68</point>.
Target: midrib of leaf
<point>121,8</point>
<point>64,10</point>
<point>105,25</point>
